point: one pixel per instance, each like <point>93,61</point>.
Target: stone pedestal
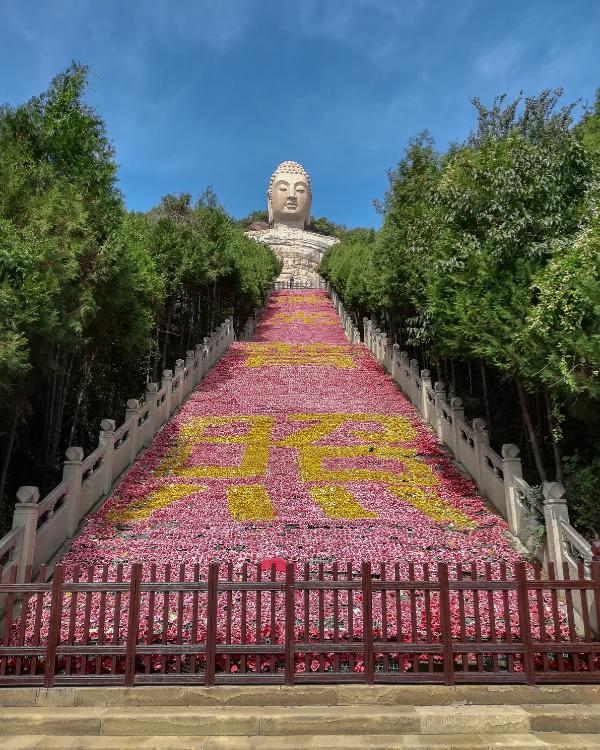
<point>300,251</point>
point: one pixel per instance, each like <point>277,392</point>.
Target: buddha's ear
<point>308,206</point>
<point>270,208</point>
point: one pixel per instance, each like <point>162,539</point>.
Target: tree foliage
<point>488,261</point>
<point>95,300</point>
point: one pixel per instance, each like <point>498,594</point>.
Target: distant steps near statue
<point>289,199</point>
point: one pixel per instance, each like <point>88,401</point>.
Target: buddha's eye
<point>300,190</point>
<point>283,188</point>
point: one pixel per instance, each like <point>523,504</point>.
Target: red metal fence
<point>400,623</point>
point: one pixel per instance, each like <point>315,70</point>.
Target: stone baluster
<point>383,351</point>
<point>396,363</point>
<point>73,475</point>
<point>366,323</point>
<point>439,390</point>
<point>556,513</point>
<point>404,379</point>
<point>179,370</point>
<point>221,339</point>
<point>414,395</point>
<point>205,356</point>
<point>481,441</point>
<point>25,517</point>
<point>425,383</point>
<point>511,468</point>
<point>167,384</point>
<point>212,343</point>
<point>107,439</point>
<point>190,361</point>
<point>151,425</point>
<point>198,357</point>
<point>133,413</point>
<point>376,340</point>
<point>458,414</point>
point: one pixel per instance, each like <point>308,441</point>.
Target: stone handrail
<point>41,527</point>
<point>576,548</point>
<point>541,523</point>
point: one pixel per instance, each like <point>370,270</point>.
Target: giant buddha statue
<point>288,198</point>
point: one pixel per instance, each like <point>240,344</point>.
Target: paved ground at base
<point>295,718</point>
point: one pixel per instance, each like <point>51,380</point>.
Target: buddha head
<point>289,195</point>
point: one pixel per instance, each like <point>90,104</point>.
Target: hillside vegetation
<point>95,300</point>
<point>487,269</point>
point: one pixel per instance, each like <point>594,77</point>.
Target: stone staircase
<point>294,718</point>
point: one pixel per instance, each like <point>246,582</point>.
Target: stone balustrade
<point>540,519</point>
<point>41,527</point>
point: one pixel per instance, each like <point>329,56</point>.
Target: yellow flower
<point>338,502</point>
<point>142,508</point>
<point>249,502</point>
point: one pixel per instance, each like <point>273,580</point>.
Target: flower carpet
<point>296,446</point>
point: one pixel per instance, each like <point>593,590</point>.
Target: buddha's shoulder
<point>281,235</point>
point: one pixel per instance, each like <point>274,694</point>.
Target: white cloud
<point>215,23</point>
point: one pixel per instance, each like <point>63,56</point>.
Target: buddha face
<point>289,200</point>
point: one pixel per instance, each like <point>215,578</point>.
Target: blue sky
<point>217,92</point>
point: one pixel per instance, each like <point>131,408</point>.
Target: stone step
<point>145,721</point>
<point>549,741</point>
<point>303,695</point>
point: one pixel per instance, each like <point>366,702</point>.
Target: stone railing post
<point>403,366</point>
<point>25,517</point>
<point>212,350</point>
<point>556,513</point>
<point>198,359</point>
<point>221,339</point>
<point>179,370</point>
<point>481,440</point>
<point>190,361</point>
<point>414,394</point>
<point>366,323</point>
<point>396,363</point>
<point>383,347</point>
<point>151,391</point>
<point>439,389</point>
<point>107,439</point>
<point>376,339</point>
<point>425,383</point>
<point>458,413</point>
<point>133,413</point>
<point>511,468</point>
<point>167,384</point>
<point>72,475</point>
<point>205,356</point>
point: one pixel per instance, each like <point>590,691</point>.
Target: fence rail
<point>390,623</point>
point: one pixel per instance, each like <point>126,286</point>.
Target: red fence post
<point>367,594</point>
<point>211,624</point>
<point>525,622</point>
<point>54,625</point>
<point>595,573</point>
<point>133,623</point>
<point>445,623</point>
<point>290,620</point>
